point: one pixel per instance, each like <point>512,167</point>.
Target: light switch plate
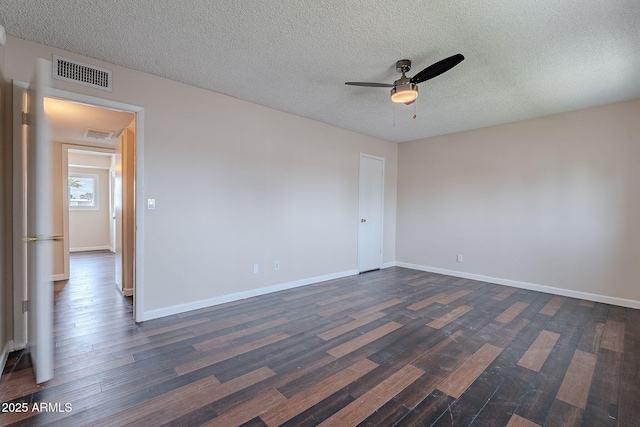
<point>151,204</point>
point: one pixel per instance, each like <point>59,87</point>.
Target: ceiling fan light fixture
<point>404,94</point>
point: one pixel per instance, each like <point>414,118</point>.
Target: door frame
<point>382,159</point>
<point>19,260</point>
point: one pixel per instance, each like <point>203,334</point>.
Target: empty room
<point>320,213</point>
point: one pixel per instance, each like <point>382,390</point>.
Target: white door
<point>39,228</point>
<point>371,208</point>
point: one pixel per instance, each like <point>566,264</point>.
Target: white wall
<point>552,202</point>
<point>89,229</point>
<point>235,184</point>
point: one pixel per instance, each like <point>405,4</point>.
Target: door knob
<point>363,220</point>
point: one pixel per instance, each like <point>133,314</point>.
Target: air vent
<point>98,134</point>
<point>84,74</point>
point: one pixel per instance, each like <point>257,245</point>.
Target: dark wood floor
<point>394,347</point>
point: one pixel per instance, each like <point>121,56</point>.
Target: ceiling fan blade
<point>438,68</point>
<point>369,84</point>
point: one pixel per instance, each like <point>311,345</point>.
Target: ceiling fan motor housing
<point>404,92</point>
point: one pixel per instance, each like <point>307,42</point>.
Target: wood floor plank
<point>235,321</point>
<point>471,406</point>
<point>575,386</point>
<point>433,407</point>
<point>308,293</point>
<point>539,350</point>
<point>221,341</point>
<point>375,308</point>
<point>504,294</point>
<point>450,317</point>
<point>229,353</point>
<point>413,395</point>
<point>347,327</point>
<point>340,298</point>
<point>420,282</point>
<point>512,312</point>
<point>426,302</point>
<point>603,402</point>
<point>613,337</point>
<point>587,303</point>
<point>318,413</point>
<point>248,410</point>
<point>553,305</point>
<point>363,340</point>
<point>329,312</point>
<point>629,413</point>
<point>460,379</point>
<point>591,338</point>
<point>315,394</point>
<point>517,421</point>
<point>367,404</point>
<point>564,415</point>
<point>448,299</point>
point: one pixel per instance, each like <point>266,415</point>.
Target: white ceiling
<point>524,59</point>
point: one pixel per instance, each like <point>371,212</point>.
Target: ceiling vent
<point>98,134</point>
<point>84,74</point>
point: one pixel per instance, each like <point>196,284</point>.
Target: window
<point>83,190</point>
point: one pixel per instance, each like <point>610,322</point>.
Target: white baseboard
<point>524,285</point>
<point>91,249</point>
<point>196,305</point>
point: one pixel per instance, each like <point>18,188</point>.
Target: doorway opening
<point>96,149</point>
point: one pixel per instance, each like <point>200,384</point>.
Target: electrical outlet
<point>459,259</point>
<point>276,266</point>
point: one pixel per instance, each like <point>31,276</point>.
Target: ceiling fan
<point>405,89</point>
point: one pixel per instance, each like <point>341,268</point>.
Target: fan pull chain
<point>414,109</point>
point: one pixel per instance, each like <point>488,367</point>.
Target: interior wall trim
<point>524,285</point>
<point>196,305</point>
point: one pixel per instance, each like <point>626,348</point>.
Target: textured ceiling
<point>524,59</point>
